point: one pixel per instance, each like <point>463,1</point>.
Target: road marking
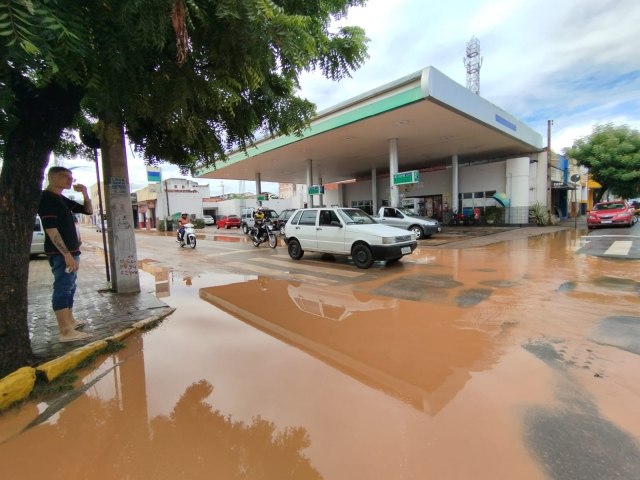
<point>227,252</point>
<point>278,273</point>
<point>619,248</point>
<point>306,266</point>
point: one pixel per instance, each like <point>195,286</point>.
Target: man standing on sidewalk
<point>62,246</point>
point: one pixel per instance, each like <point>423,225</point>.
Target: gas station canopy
<point>431,116</point>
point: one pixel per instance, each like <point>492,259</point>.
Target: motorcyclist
<point>184,219</point>
<point>259,219</point>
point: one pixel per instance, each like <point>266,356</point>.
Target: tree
<point>612,155</point>
<point>188,79</point>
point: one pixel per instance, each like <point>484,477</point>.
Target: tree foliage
<point>612,155</point>
<point>188,79</point>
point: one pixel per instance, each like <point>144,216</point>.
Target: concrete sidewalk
<point>105,312</point>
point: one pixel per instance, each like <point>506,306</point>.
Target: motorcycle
<point>268,234</point>
<point>189,237</point>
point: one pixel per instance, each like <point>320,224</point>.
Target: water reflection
<point>336,306</point>
<point>421,357</point>
<point>106,433</point>
<point>160,274</point>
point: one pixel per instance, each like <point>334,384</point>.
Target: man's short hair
<point>54,170</point>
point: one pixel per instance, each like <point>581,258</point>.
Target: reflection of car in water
<point>335,304</point>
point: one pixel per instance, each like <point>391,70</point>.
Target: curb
<point>18,385</point>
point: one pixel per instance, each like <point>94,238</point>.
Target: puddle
<point>395,372</point>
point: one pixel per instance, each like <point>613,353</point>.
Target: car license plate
<point>405,250</point>
<point>606,221</point>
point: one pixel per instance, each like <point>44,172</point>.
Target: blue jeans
<point>64,284</point>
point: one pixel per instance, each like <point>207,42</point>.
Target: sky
<point>574,62</point>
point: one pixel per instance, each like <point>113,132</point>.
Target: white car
<point>346,231</point>
<point>37,240</point>
<point>208,220</point>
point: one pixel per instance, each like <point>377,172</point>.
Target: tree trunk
<point>40,116</point>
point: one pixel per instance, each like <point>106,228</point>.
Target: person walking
<point>62,246</point>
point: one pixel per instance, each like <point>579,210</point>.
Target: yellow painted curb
<point>69,361</point>
<point>142,324</point>
<point>16,386</point>
<point>118,337</point>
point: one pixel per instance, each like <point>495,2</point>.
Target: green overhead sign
<point>404,178</point>
<point>316,190</point>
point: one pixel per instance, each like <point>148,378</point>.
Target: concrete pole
<point>549,191</point>
<point>454,184</point>
<point>122,240</point>
<point>394,192</point>
<point>309,182</point>
<point>374,190</point>
<point>258,186</point>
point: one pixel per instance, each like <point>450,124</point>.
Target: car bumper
<point>430,230</point>
<point>389,252</point>
<point>609,223</point>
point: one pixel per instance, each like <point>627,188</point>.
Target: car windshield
<point>355,215</point>
<point>609,206</point>
<point>408,213</point>
<point>232,216</point>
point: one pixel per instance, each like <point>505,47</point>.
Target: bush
<point>199,223</point>
<point>165,226</point>
<point>539,215</point>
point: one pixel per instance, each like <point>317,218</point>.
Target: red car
<point>228,221</point>
<point>607,214</point>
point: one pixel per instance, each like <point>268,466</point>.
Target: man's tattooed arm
<point>56,239</point>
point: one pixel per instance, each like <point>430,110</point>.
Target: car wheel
<point>218,227</point>
<point>417,230</point>
<point>245,229</point>
<point>362,256</point>
<point>226,227</point>
<point>295,250</point>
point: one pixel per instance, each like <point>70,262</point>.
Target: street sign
<point>263,197</point>
<point>404,178</point>
<point>316,190</point>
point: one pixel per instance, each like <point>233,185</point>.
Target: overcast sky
<point>575,62</point>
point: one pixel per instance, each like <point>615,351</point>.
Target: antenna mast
<point>473,62</point>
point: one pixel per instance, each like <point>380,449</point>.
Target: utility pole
<point>549,196</point>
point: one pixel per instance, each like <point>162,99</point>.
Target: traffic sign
<point>404,178</point>
<point>316,190</point>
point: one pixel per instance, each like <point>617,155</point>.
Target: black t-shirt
<point>56,211</point>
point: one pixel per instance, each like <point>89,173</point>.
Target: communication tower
<point>473,62</point>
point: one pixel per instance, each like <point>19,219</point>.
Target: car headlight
<point>401,239</point>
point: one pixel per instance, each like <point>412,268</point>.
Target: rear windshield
<point>609,206</point>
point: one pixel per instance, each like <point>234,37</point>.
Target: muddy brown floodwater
<point>511,361</point>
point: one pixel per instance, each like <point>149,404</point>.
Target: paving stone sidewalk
<point>105,312</point>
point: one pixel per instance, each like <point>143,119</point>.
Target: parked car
<point>208,220</point>
<point>228,221</point>
<point>346,231</point>
<point>281,221</point>
<point>37,239</point>
<point>607,214</point>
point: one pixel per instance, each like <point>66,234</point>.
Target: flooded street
<point>512,360</point>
